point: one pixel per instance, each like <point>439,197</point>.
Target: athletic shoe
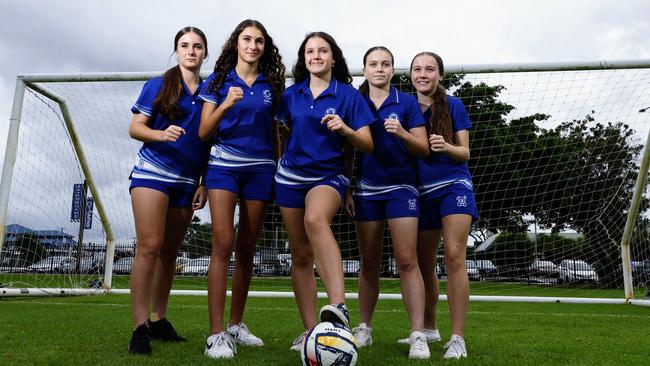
<point>220,345</point>
<point>335,314</point>
<point>140,343</point>
<point>419,346</point>
<point>455,348</point>
<point>297,343</point>
<point>363,335</point>
<point>241,334</point>
<point>163,330</point>
<point>432,336</point>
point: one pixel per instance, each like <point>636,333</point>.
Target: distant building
<point>51,239</point>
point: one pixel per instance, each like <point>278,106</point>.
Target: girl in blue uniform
<point>240,97</point>
<point>164,184</point>
<point>323,113</point>
<point>387,191</point>
<point>447,205</point>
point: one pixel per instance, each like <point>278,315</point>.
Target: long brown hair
<point>270,64</point>
<point>167,100</point>
<point>440,121</point>
<point>340,70</point>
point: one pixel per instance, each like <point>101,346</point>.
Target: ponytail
<point>440,121</point>
<point>167,101</point>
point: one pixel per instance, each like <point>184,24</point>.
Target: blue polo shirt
<point>438,170</point>
<point>178,163</point>
<point>244,138</point>
<point>314,152</point>
<point>390,167</point>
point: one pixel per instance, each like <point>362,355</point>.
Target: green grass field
<point>96,329</point>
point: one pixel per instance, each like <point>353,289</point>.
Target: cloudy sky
<point>75,36</point>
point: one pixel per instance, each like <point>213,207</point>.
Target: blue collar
<point>232,76</point>
<point>331,89</point>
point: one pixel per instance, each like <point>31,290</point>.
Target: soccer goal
<point>559,158</point>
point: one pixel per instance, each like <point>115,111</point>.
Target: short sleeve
<point>207,94</point>
<point>459,116</point>
<point>282,114</point>
<point>149,93</point>
<point>414,116</point>
<point>359,114</point>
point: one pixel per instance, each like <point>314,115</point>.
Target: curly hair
<point>440,122</point>
<point>340,70</point>
<point>270,64</point>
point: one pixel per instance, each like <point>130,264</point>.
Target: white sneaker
<point>220,345</point>
<point>297,343</point>
<point>335,313</point>
<point>241,334</point>
<point>432,336</point>
<point>455,348</point>
<point>419,346</point>
<point>363,335</point>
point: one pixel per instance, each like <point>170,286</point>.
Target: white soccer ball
<point>329,344</point>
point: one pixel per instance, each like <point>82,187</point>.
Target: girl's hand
<point>336,124</point>
<point>235,94</point>
<point>394,127</point>
<point>200,197</point>
<point>437,143</point>
<point>171,134</point>
<point>348,204</point>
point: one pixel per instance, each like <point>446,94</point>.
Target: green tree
<point>30,248</point>
<point>198,239</point>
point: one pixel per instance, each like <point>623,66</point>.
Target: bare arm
<point>361,139</point>
<point>212,114</point>
<point>139,129</point>
<point>459,152</point>
<point>415,139</point>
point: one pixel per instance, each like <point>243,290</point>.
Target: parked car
<point>284,264</point>
<point>123,265</point>
<point>543,269</point>
<point>351,267</point>
<point>89,265</point>
<point>574,270</point>
<point>641,272</point>
<point>486,267</point>
<point>181,262</point>
<point>52,264</point>
<point>472,270</point>
<point>196,267</point>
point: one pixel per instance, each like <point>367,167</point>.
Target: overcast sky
<point>75,36</point>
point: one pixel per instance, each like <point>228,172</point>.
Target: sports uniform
<point>173,168</point>
<point>445,185</point>
<point>388,176</point>
<point>314,154</point>
<point>241,158</point>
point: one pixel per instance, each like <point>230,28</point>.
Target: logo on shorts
<point>140,163</point>
<point>461,201</point>
<point>336,183</point>
<point>393,116</point>
<point>330,110</point>
<point>413,204</point>
<point>268,97</point>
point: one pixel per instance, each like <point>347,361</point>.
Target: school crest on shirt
<point>394,116</point>
<point>461,201</point>
<point>330,110</point>
<point>268,96</point>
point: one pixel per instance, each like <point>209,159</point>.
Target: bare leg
<point>149,212</point>
<point>222,208</point>
<point>455,229</point>
<point>178,219</point>
<point>428,242</point>
<point>302,265</point>
<point>369,234</point>
<point>251,216</point>
<point>404,232</point>
<point>321,205</point>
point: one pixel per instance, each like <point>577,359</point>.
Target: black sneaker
<point>335,314</point>
<point>140,343</point>
<point>162,330</point>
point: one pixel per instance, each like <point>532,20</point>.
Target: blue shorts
<point>404,204</point>
<point>455,199</point>
<point>178,198</point>
<point>293,196</point>
<point>246,185</point>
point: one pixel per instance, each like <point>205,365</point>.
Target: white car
<point>472,270</point>
<point>196,266</point>
<point>351,267</point>
<point>574,270</point>
<point>543,268</point>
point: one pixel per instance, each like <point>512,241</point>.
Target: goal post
<point>556,147</point>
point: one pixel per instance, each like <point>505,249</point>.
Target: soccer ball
<point>329,344</point>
